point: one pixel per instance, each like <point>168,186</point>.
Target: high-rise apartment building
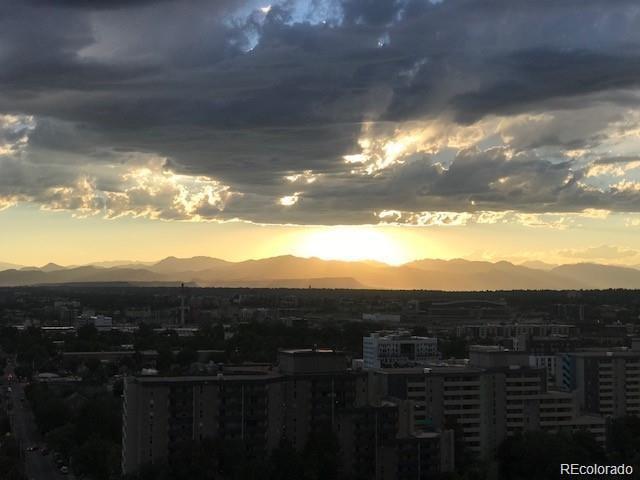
<point>310,391</point>
<point>496,395</point>
<point>606,382</point>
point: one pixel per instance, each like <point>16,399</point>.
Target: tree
<point>96,458</point>
<point>100,416</point>
<point>10,463</point>
<point>624,440</point>
<point>536,455</point>
<point>62,439</point>
<point>23,371</point>
<point>186,357</point>
<point>195,460</point>
<point>453,347</point>
<point>164,360</point>
<point>286,463</point>
<point>5,425</point>
<point>321,456</point>
<point>48,407</point>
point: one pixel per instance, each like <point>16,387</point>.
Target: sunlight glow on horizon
<point>33,237</point>
<point>352,243</point>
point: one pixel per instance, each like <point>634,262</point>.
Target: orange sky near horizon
<point>35,237</point>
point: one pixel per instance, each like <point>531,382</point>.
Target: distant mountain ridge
<point>193,264</point>
<point>538,265</point>
<point>7,266</point>
<point>52,267</point>
<point>295,272</point>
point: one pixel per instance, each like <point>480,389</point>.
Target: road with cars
<point>38,466</point>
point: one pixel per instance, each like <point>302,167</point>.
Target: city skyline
<point>319,239</point>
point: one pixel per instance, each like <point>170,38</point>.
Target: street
<point>37,465</point>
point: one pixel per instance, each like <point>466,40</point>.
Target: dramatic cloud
<point>322,111</point>
<point>617,166</point>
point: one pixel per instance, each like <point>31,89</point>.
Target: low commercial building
<point>111,356</point>
<point>382,317</point>
<point>468,311</point>
<point>102,323</point>
<point>505,330</point>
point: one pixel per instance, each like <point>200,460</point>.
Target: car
<point>33,448</point>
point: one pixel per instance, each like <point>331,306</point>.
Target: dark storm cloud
<point>244,97</point>
<point>532,80</point>
<point>93,4</point>
<point>476,181</point>
<point>372,12</point>
<point>489,180</point>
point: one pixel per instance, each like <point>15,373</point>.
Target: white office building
<point>397,349</point>
<point>101,322</point>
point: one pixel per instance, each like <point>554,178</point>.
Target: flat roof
<point>420,434</point>
<point>400,337</point>
<point>310,351</point>
<point>438,369</point>
<point>606,353</point>
<point>151,379</point>
<point>111,352</point>
<point>494,350</point>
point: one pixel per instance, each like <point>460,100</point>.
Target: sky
<point>390,130</point>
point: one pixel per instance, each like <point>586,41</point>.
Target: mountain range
<point>296,272</point>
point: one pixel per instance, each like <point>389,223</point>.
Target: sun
<point>352,244</point>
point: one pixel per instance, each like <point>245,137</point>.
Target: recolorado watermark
<point>577,469</point>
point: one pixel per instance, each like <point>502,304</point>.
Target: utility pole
<point>182,304</point>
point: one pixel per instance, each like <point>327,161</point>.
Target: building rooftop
<point>489,349</point>
<point>400,335</point>
<point>434,369</point>
<point>611,352</point>
<point>310,351</point>
<point>110,353</point>
<point>206,378</point>
<point>422,434</point>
